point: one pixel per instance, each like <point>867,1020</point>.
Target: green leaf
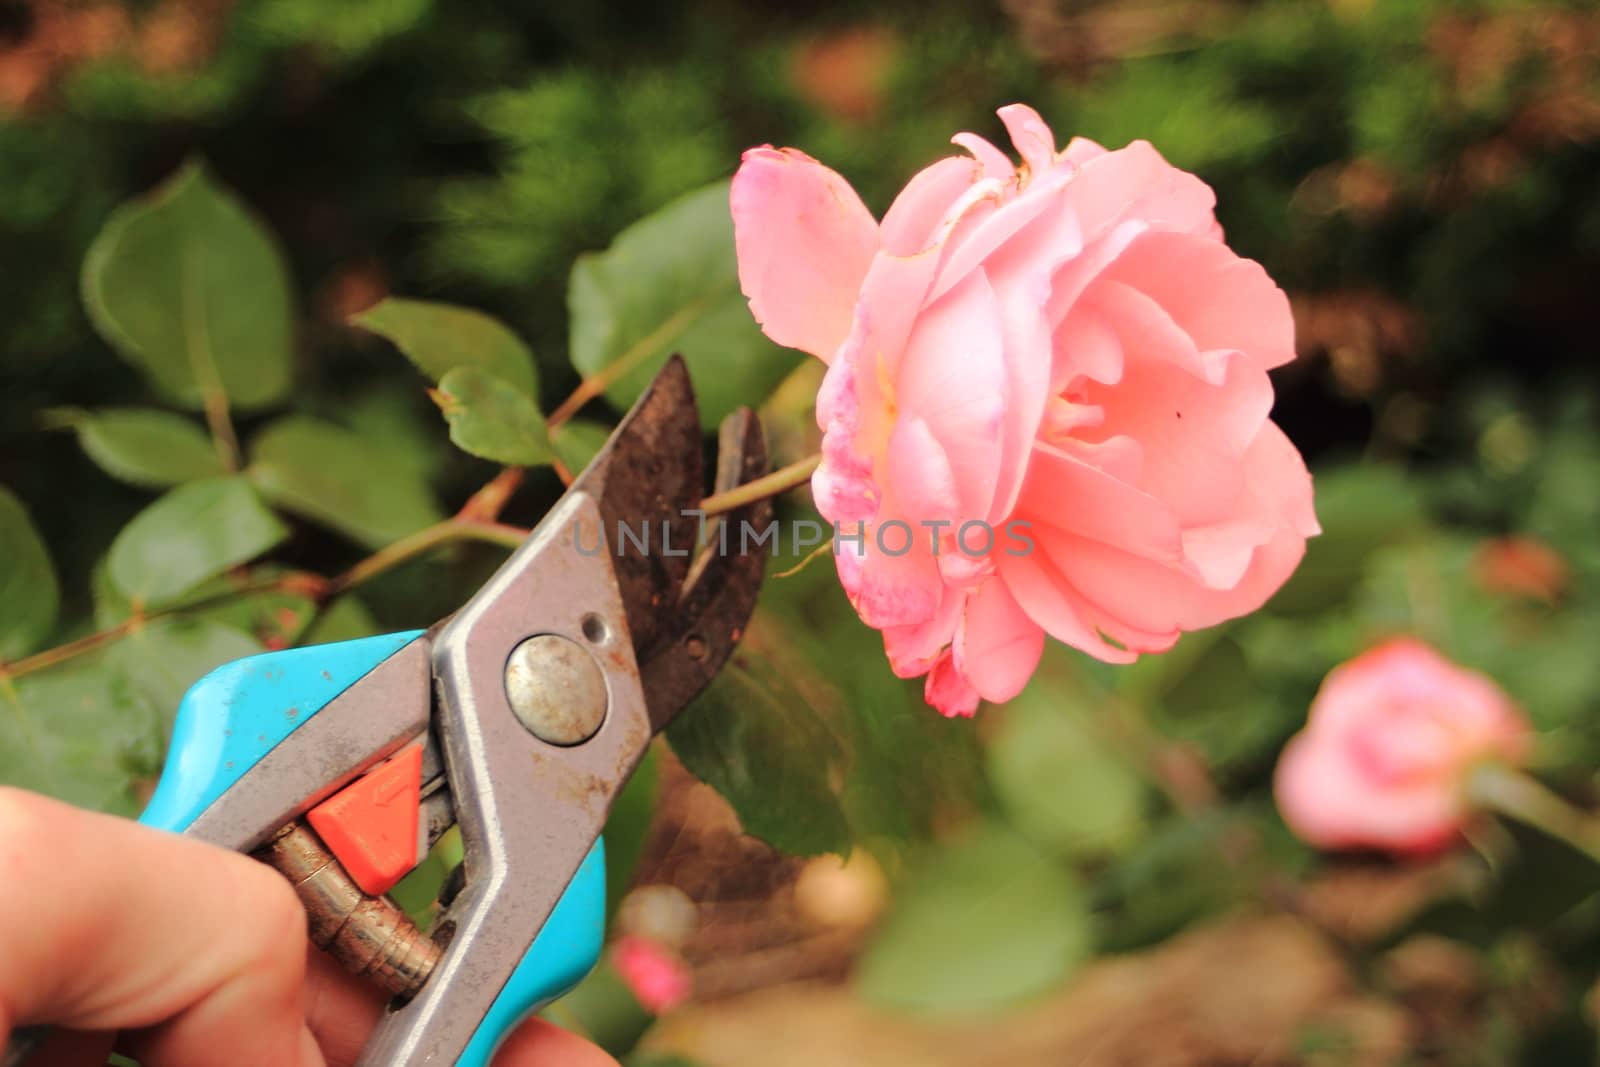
<point>1062,785</point>
<point>190,288</point>
<point>28,590</point>
<point>333,476</point>
<point>344,620</point>
<point>1170,878</point>
<point>579,441</point>
<point>438,338</point>
<point>670,284</point>
<point>911,769</point>
<point>190,534</point>
<point>1361,509</point>
<point>628,827</point>
<point>756,738</point>
<point>143,446</point>
<point>72,733</point>
<point>163,659</point>
<point>978,924</point>
<point>490,419</point>
<point>272,617</point>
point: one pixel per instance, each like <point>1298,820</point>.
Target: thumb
<point>109,925</point>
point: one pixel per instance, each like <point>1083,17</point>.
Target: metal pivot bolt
<point>556,689</point>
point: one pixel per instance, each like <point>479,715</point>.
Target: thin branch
<point>486,504</point>
<point>50,657</point>
<point>221,424</point>
<point>1509,792</point>
<point>197,338</point>
<point>312,586</point>
<point>779,481</point>
<point>652,342</point>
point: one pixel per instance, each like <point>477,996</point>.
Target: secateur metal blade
<point>615,624</point>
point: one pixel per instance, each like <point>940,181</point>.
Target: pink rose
<point>1053,374</point>
<point>654,974</point>
<point>1384,759</point>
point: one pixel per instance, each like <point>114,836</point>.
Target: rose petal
<point>1065,493</point>
<point>1048,599</point>
<point>893,588</point>
<point>912,650</point>
<point>980,243</point>
<point>919,470</point>
<point>1087,345</point>
<point>1193,433</point>
<point>804,242</point>
<point>995,163</point>
<point>997,647</point>
<point>1031,136</point>
<point>1218,299</point>
<point>913,220</point>
<point>953,375</point>
<point>1328,804</point>
<point>1135,182</point>
<point>1157,598</point>
<point>951,694</point>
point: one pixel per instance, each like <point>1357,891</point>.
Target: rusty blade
<point>648,481</point>
<point>715,605</point>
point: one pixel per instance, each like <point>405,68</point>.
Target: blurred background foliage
<point>1420,175</point>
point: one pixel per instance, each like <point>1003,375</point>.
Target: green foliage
<point>438,338</point>
<point>488,417</point>
<point>190,534</point>
<point>191,289</point>
<point>579,441</point>
<point>343,620</point>
<point>27,581</point>
<point>352,29</point>
<point>841,752</point>
<point>670,284</point>
<point>759,741</point>
<point>71,733</point>
<point>628,827</point>
<point>162,660</point>
<point>500,225</point>
<point>981,922</point>
<point>336,477</point>
<point>1060,783</point>
<point>142,446</point>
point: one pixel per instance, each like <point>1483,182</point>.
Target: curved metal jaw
<point>613,570</point>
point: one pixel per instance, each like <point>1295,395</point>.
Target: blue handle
<point>230,719</point>
<point>565,950</point>
<point>235,715</point>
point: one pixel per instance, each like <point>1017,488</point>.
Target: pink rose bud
<point>654,974</point>
<point>1384,759</point>
<point>1046,406</point>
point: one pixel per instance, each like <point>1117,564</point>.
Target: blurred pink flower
<point>1384,759</point>
<point>654,973</point>
<point>1521,566</point>
<point>1046,402</point>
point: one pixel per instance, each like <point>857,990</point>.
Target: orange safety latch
<point>371,824</point>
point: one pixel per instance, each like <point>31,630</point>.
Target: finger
<point>342,1010</point>
<point>538,1043</point>
<point>112,925</point>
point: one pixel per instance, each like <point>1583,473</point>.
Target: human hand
<point>179,954</point>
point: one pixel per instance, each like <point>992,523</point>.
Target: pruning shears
<point>519,718</point>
